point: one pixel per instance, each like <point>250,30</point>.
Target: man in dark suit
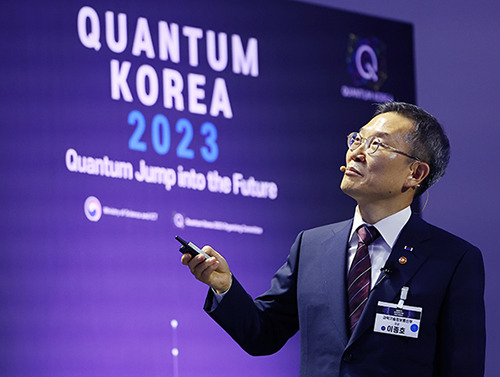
<point>399,297</point>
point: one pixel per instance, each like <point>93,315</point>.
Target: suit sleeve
<point>461,331</point>
<point>261,326</point>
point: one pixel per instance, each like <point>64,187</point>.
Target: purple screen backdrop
<point>127,123</point>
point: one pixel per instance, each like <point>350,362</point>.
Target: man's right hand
<point>213,271</point>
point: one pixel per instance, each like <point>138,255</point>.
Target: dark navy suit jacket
<point>445,276</point>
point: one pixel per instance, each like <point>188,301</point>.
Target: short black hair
<point>427,141</point>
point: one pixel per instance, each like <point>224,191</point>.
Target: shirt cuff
<point>219,296</point>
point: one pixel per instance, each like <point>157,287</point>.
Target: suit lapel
<point>334,272</point>
<point>407,256</point>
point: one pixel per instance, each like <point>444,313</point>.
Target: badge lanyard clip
<point>402,298</point>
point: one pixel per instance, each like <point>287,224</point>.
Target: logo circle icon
<point>367,62</point>
<point>93,208</point>
<point>178,220</point>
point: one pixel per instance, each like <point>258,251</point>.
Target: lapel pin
<point>403,260</point>
<point>408,248</point>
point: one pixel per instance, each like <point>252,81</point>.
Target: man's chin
<point>352,189</point>
<point>347,188</point>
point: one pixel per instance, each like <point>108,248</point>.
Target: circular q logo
<point>178,220</point>
<point>367,63</point>
<point>92,208</point>
<point>366,60</point>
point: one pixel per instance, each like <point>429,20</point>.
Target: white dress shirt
<point>389,229</point>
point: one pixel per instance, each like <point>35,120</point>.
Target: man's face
<point>379,176</point>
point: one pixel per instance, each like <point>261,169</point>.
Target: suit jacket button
<point>347,357</point>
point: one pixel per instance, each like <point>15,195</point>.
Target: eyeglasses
<point>355,140</point>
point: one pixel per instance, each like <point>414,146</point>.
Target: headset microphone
<point>343,168</point>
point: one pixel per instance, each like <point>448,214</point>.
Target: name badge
<point>400,320</point>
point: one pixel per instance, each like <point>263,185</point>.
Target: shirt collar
<point>389,227</point>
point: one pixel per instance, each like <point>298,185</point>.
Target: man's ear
<point>419,171</point>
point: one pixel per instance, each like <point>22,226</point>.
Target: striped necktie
<point>359,278</point>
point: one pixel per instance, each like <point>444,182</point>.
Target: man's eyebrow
<point>378,134</point>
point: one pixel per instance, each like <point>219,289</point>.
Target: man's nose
<point>359,154</point>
